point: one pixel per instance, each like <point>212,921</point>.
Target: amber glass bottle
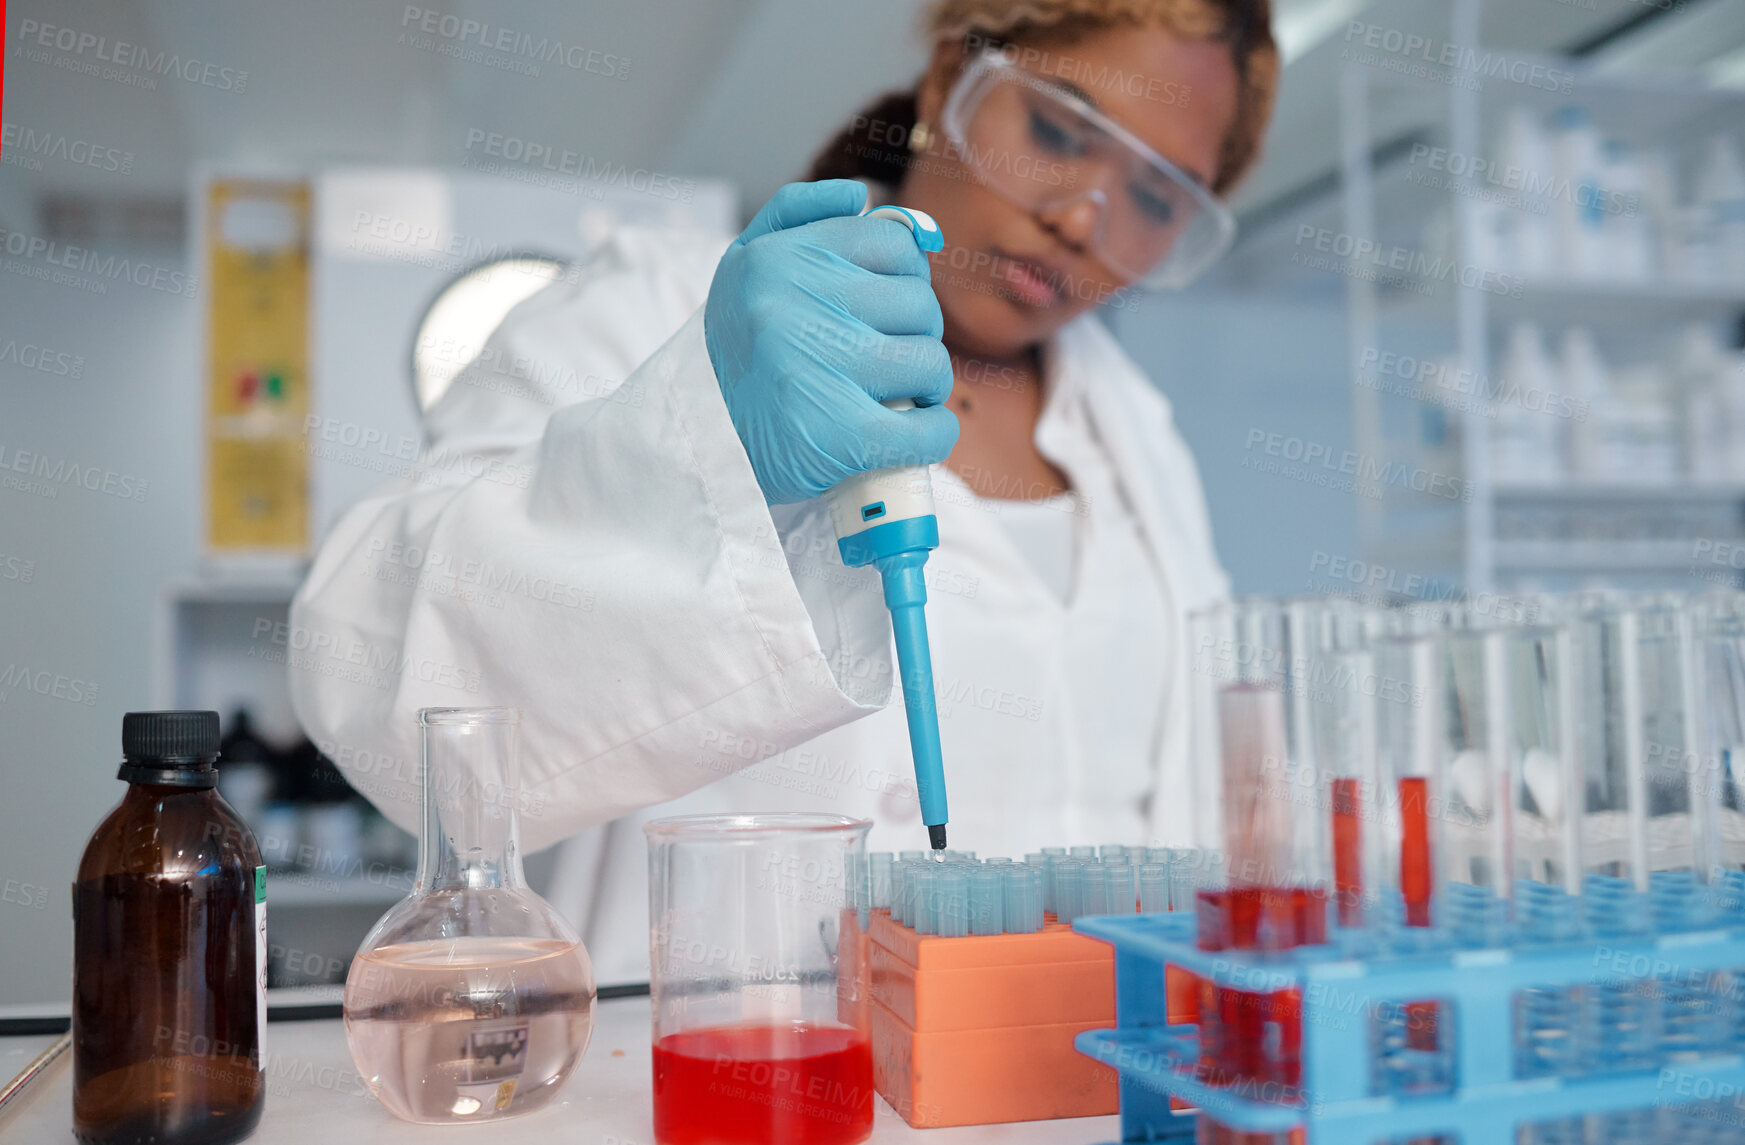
<point>169,951</point>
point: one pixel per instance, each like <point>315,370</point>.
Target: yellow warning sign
<point>257,355</point>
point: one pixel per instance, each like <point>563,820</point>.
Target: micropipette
<point>885,518</point>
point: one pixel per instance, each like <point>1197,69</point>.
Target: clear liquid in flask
<point>469,1029</point>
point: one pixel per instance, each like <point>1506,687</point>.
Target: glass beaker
<point>471,999</point>
<point>750,938</point>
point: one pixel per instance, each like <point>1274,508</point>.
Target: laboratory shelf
<point>1605,493</point>
<point>1596,555</point>
<point>1475,970</point>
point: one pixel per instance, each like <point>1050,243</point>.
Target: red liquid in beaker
<point>793,1084</point>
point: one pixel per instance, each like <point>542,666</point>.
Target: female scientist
<point>671,614</point>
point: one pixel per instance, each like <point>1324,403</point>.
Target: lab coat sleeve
<point>596,553</point>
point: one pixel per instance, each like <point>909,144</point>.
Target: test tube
<point>1093,889</point>
<point>1068,890</point>
<point>1344,689</point>
<point>953,889</point>
<point>1121,888</point>
<point>1153,888</point>
<point>1720,667</point>
<point>923,889</point>
<point>1408,746</point>
<point>881,866</point>
<point>1250,727</point>
<point>1112,851</point>
<point>899,896</point>
<point>1547,801</point>
<point>1187,867</point>
<point>987,899</point>
<point>1023,894</point>
<point>1619,1026</point>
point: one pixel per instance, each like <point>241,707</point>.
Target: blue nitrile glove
<point>815,317</point>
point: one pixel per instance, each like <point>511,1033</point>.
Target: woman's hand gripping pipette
<point>825,336</point>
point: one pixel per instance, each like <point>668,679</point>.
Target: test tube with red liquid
<point>1277,866</point>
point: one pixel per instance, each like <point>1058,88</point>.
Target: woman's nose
<point>1075,221</point>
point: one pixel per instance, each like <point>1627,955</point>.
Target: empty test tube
<point>987,900</point>
<point>1023,892</point>
<point>1185,874</point>
<point>1093,889</point>
<point>1082,852</point>
<point>1153,888</point>
<point>953,883</point>
<point>899,901</point>
<point>923,897</point>
<point>1069,882</point>
<point>881,879</point>
<point>1112,851</point>
<point>1120,888</point>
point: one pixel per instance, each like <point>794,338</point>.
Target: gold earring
<point>921,138</point>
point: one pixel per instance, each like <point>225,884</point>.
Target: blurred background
<point>1480,334</point>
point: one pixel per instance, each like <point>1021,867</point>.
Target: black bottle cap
<point>173,748</point>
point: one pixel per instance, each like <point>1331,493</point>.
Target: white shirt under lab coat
<point>587,542</point>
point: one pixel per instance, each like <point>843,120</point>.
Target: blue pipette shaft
<point>906,597</point>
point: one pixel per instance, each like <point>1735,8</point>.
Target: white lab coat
<point>586,541</point>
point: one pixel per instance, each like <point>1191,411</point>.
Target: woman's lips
<point>1032,283</point>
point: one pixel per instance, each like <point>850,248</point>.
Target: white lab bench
<point>314,1095</point>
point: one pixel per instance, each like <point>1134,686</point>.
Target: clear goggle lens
<point>1042,148</point>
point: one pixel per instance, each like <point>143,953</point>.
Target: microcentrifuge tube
<point>953,884</point>
<point>923,898</point>
<point>1153,888</point>
<point>1120,888</point>
<point>987,900</point>
<point>881,879</point>
<point>1069,882</point>
<point>1093,889</point>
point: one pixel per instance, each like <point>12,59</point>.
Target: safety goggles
<point>1041,147</point>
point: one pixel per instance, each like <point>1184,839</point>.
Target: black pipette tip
<point>936,836</point>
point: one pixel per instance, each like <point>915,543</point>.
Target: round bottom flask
<point>471,999</point>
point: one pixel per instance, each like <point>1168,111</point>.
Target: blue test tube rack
<point>1686,935</point>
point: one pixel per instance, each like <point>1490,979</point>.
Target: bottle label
<point>260,965</point>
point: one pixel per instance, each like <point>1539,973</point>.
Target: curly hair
<point>874,145</point>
